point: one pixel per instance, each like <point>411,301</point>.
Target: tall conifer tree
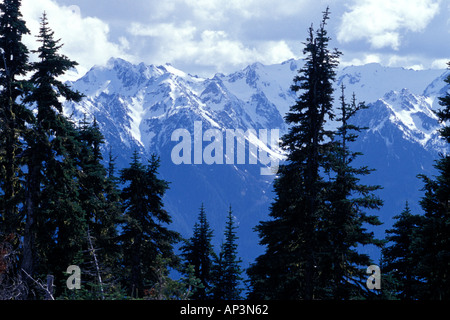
<point>146,240</point>
<point>53,216</point>
<point>434,235</point>
<point>99,198</point>
<point>198,252</point>
<point>227,270</point>
<point>345,221</point>
<point>289,267</point>
<point>318,216</point>
<point>400,255</point>
<point>13,114</point>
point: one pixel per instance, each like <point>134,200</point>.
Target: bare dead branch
<point>40,285</point>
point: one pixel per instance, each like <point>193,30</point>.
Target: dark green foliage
<point>60,205</point>
<point>199,253</point>
<point>13,114</point>
<point>317,216</point>
<point>344,224</point>
<point>145,237</point>
<point>400,256</point>
<point>226,270</point>
<point>54,219</point>
<point>13,125</point>
<point>99,198</point>
<point>289,264</point>
<point>433,240</point>
<point>60,222</point>
<point>65,207</point>
<point>287,270</point>
<point>13,28</point>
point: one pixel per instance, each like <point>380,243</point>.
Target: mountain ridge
<point>139,106</point>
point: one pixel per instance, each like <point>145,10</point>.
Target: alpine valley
<point>139,106</point>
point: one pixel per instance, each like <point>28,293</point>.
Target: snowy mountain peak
<point>145,102</point>
<point>405,101</point>
<point>372,81</point>
<point>140,106</point>
<point>409,114</point>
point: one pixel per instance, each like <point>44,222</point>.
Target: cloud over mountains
<point>205,37</point>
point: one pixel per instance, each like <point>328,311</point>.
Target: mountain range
<point>140,106</point>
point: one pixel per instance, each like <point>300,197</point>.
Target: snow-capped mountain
<point>141,106</point>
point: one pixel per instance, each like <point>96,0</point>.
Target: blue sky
<point>203,37</point>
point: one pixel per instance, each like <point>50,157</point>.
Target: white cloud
<point>440,64</point>
<point>381,22</point>
<point>216,48</point>
<point>275,52</point>
<point>387,39</point>
<point>248,9</point>
<point>408,61</point>
<point>210,48</point>
<point>166,30</point>
<point>85,39</point>
<point>200,36</point>
<point>208,36</point>
<point>367,58</point>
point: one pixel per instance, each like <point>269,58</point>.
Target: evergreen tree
<point>60,229</point>
<point>227,270</point>
<point>344,224</point>
<point>290,267</point>
<point>318,217</point>
<point>199,253</point>
<point>54,219</point>
<point>99,198</point>
<point>218,291</point>
<point>400,256</point>
<point>145,239</point>
<point>13,114</point>
<point>434,235</point>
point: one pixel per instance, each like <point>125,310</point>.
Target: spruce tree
<point>146,240</point>
<point>345,221</point>
<point>218,291</point>
<point>54,219</point>
<point>13,114</point>
<point>290,267</point>
<point>199,253</point>
<point>99,199</point>
<point>434,232</point>
<point>60,222</point>
<point>227,270</point>
<point>400,255</point>
<point>318,216</point>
